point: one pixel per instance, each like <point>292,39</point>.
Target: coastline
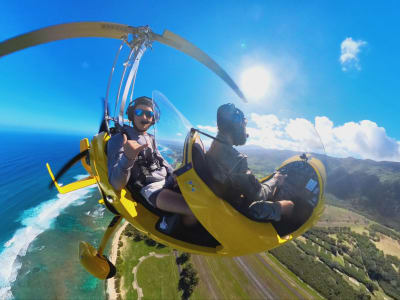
<point>110,283</point>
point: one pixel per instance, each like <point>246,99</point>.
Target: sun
<point>255,82</point>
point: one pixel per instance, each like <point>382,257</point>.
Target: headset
<point>143,100</point>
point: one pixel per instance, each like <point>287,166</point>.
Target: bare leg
<point>174,202</point>
<point>286,207</point>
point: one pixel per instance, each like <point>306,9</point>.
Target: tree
<point>183,258</point>
<point>188,281</point>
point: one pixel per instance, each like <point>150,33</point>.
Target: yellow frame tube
<point>90,180</point>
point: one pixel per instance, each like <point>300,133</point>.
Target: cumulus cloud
<point>350,50</point>
<point>364,139</point>
<point>293,134</point>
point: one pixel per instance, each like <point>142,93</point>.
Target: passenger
<point>229,168</point>
<point>133,159</point>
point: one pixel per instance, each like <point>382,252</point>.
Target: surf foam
<point>34,221</point>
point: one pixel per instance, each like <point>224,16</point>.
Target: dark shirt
<point>229,168</point>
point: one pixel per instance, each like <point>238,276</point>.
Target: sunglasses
<point>140,112</point>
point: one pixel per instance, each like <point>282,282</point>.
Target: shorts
<point>151,191</point>
<point>265,211</point>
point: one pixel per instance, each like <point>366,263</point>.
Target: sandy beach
<point>111,294</point>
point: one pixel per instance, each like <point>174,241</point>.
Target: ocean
<point>41,229</point>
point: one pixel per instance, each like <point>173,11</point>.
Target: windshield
<point>170,130</point>
<point>272,140</point>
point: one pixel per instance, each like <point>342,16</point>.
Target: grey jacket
<point>229,168</point>
<point>122,170</point>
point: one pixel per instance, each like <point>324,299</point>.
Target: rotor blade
<point>175,41</point>
<point>65,31</point>
<point>68,165</point>
<point>112,30</point>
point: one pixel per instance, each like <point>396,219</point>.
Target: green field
<point>337,216</point>
<point>130,252</point>
<point>158,278</point>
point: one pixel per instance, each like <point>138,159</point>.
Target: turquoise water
<point>41,229</point>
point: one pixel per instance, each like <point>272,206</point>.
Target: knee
<point>287,207</point>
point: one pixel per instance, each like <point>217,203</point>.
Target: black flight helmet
<point>231,121</point>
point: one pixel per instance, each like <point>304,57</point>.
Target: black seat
<point>201,167</point>
<point>200,164</point>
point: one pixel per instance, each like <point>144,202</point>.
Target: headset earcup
<point>129,112</point>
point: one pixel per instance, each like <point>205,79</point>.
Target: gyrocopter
<point>226,231</point>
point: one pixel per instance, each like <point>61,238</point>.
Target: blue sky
<point>331,64</point>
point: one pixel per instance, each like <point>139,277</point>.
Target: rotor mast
<point>138,42</point>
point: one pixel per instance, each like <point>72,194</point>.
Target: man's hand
<point>279,178</point>
<point>132,148</point>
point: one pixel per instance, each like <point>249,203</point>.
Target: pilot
<point>134,160</point>
<point>229,168</point>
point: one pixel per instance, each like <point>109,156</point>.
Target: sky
<point>329,67</point>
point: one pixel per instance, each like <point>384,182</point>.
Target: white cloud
<point>350,50</point>
<point>210,129</point>
<point>293,134</point>
<point>364,139</point>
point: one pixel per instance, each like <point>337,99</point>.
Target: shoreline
<point>110,283</point>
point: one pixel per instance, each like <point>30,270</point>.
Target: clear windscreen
<point>170,130</point>
<point>272,140</point>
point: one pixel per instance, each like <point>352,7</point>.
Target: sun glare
<point>255,82</point>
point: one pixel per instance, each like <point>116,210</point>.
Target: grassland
<point>341,217</point>
<point>388,245</point>
<point>158,278</point>
<point>222,278</point>
<point>130,252</point>
<point>226,278</point>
